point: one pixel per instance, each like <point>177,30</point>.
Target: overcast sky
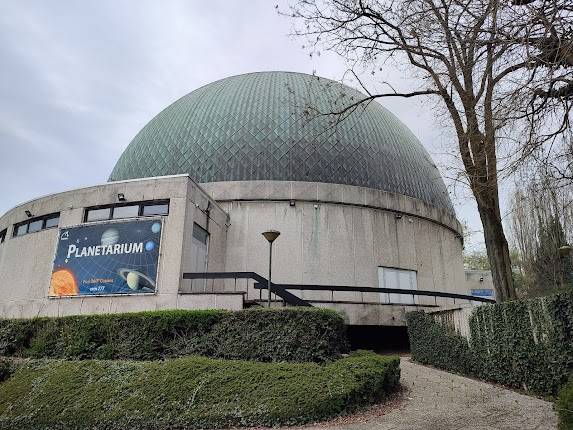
<point>78,80</point>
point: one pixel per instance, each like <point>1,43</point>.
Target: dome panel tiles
<point>265,126</point>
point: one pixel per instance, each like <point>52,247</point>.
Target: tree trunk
<point>498,254</point>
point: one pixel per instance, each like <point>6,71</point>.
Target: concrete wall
<point>26,261</point>
<point>455,317</point>
<point>339,235</point>
<point>370,314</point>
<point>331,235</point>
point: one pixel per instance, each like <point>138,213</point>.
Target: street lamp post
<point>270,235</point>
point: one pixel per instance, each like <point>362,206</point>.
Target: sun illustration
<point>63,284</point>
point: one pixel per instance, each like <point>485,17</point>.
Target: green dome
<point>268,126</point>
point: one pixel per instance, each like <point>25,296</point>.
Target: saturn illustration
<point>137,281</point>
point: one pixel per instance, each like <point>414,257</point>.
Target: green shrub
<point>290,334</point>
<point>438,345</point>
<point>526,344</point>
<point>284,335</point>
<point>564,406</point>
<point>190,392</point>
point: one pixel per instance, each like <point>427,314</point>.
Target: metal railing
<point>277,290</point>
<point>403,292</point>
<point>281,290</point>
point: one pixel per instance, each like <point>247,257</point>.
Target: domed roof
<point>271,126</point>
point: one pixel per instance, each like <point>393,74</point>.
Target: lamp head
<point>271,235</point>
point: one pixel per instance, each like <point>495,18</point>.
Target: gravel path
<point>438,400</point>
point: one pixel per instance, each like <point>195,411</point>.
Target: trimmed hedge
<point>438,345</point>
<point>6,369</point>
<point>191,392</point>
<point>564,406</point>
<point>526,344</point>
<point>289,334</point>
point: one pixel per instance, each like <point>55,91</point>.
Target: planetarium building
<point>366,225</point>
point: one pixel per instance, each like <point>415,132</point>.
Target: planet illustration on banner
<point>137,281</point>
<point>156,227</point>
<point>150,246</point>
<point>63,283</point>
<point>110,237</point>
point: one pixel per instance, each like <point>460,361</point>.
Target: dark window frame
<point>43,218</point>
<point>87,211</point>
<point>198,229</point>
<point>134,205</point>
<point>3,235</point>
<point>17,228</point>
<point>45,225</point>
<point>141,205</point>
<point>36,225</point>
<point>161,203</point>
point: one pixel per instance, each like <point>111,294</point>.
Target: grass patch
<point>190,392</point>
<point>290,334</point>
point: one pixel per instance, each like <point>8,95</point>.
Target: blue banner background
<point>130,267</point>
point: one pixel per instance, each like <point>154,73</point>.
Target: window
<point>52,222</point>
<point>98,214</point>
<point>36,224</point>
<point>200,252</point>
<point>156,209</point>
<point>200,234</point>
<point>3,235</point>
<point>389,277</point>
<point>126,210</point>
<point>21,229</point>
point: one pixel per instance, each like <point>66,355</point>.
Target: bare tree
<point>547,92</point>
<point>471,55</point>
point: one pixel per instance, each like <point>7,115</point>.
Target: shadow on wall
<point>386,339</point>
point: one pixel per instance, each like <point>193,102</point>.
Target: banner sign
<point>482,292</point>
<point>107,258</point>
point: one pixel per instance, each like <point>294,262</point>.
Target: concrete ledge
<point>232,301</point>
<point>330,193</point>
<point>369,314</point>
<point>447,308</point>
<point>217,293</point>
<point>117,304</point>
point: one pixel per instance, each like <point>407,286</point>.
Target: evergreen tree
<point>552,271</point>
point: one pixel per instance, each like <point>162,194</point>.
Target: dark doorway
<point>379,338</point>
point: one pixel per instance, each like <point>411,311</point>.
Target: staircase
<point>261,283</point>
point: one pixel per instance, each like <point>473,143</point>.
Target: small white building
<point>358,202</point>
<point>480,283</point>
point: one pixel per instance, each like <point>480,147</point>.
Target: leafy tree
<point>476,260</point>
